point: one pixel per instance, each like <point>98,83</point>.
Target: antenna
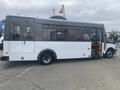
<point>53,12</point>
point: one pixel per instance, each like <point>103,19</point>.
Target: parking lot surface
<point>96,74</point>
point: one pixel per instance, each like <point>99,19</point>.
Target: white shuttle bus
<point>46,40</point>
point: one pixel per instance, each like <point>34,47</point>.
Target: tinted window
<point>74,33</point>
<point>28,33</point>
<point>88,34</point>
<point>85,32</point>
<point>7,27</point>
<point>100,35</point>
<point>45,32</point>
<point>16,29</point>
<point>21,29</point>
<point>16,34</point>
<point>29,29</point>
<point>61,33</point>
<point>93,34</point>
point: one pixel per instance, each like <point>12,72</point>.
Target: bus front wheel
<point>109,53</point>
<point>46,58</point>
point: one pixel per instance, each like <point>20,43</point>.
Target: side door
<point>16,31</point>
<point>28,35</point>
<point>99,41</point>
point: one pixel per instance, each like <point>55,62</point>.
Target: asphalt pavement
<point>88,74</point>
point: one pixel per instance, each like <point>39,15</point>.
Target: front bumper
<point>5,58</point>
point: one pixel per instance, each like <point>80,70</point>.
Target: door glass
<point>28,30</point>
<point>16,35</point>
<point>15,29</point>
<point>29,35</point>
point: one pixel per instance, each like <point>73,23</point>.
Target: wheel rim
<point>47,59</point>
<point>109,54</point>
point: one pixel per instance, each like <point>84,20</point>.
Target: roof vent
<point>58,17</point>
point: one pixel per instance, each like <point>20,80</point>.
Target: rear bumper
<point>5,58</point>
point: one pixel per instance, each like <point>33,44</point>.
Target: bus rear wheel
<point>46,58</point>
<point>109,53</point>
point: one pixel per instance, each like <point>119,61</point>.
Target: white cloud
<point>103,11</point>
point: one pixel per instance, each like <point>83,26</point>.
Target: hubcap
<point>109,54</point>
<point>47,59</point>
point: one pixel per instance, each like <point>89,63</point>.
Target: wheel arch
<point>110,48</point>
<point>47,50</point>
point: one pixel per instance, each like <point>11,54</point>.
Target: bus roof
<point>60,22</point>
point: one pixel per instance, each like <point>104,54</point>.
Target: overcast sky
<point>97,11</point>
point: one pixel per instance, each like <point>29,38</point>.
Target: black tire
<point>109,53</point>
<point>46,58</point>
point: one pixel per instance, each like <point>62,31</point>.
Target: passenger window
<point>16,33</point>
<point>86,37</point>
<point>61,33</point>
<point>99,35</point>
<point>74,33</point>
<point>85,34</point>
<point>46,33</point>
<point>93,34</point>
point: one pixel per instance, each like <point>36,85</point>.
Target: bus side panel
<point>18,53</point>
<point>22,57</point>
<point>109,45</point>
<point>66,50</point>
<point>15,46</point>
<point>28,47</point>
